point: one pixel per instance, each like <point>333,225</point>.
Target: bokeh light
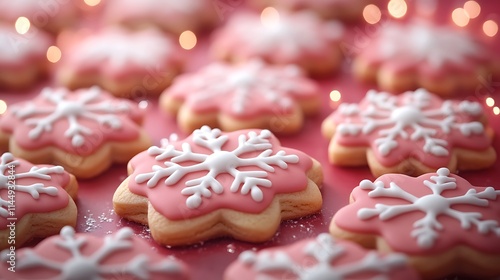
<point>397,8</point>
<point>472,9</point>
<point>188,40</point>
<point>53,54</point>
<point>269,17</point>
<point>372,14</point>
<point>22,25</point>
<point>92,3</point>
<point>490,102</point>
<point>3,106</point>
<point>335,96</point>
<point>459,17</point>
<point>490,28</point>
<point>496,110</point>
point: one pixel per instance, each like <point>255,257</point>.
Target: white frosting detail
<point>325,251</point>
<point>16,47</point>
<point>245,85</point>
<point>80,266</point>
<point>121,49</point>
<point>10,177</point>
<point>179,163</point>
<point>413,119</point>
<point>422,42</point>
<point>426,230</point>
<point>88,105</point>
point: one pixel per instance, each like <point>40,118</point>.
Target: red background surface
<point>208,260</point>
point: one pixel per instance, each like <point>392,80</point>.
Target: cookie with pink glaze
<point>283,39</point>
<point>51,16</point>
<point>442,222</point>
<point>85,131</point>
<point>417,54</point>
<point>345,10</point>
<point>412,133</point>
<point>23,57</point>
<point>71,255</point>
<point>36,201</point>
<point>240,184</point>
<point>126,63</point>
<point>247,95</point>
<point>322,257</point>
<point>170,15</point>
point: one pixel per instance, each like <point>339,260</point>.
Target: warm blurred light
<point>53,54</point>
<point>92,3</point>
<point>188,40</point>
<point>143,104</point>
<point>459,17</point>
<point>490,102</point>
<point>397,8</point>
<point>269,17</point>
<point>496,110</point>
<point>22,25</point>
<point>3,106</point>
<point>490,28</point>
<point>472,9</point>
<point>372,14</point>
<point>335,95</point>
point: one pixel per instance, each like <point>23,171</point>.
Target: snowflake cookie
<point>35,200</point>
<point>323,257</point>
<point>248,95</point>
<point>71,255</point>
<point>23,58</point>
<point>173,16</point>
<point>85,130</point>
<point>239,184</point>
<point>131,64</point>
<point>283,40</point>
<point>441,59</point>
<point>413,133</point>
<point>445,225</point>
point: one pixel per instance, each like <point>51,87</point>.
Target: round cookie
<point>417,54</point>
<point>322,257</point>
<point>23,57</point>
<point>412,133</point>
<point>440,221</point>
<point>36,201</point>
<point>286,39</point>
<point>132,64</point>
<point>71,255</point>
<point>239,184</point>
<point>247,95</point>
<point>85,130</point>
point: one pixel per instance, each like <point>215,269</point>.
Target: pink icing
<point>121,255</point>
<point>171,203</point>
<point>431,50</point>
<point>243,91</point>
<point>24,202</point>
<point>117,53</point>
<point>322,257</point>
<point>20,50</point>
<point>117,120</point>
<point>397,231</point>
<point>288,40</point>
<point>376,109</point>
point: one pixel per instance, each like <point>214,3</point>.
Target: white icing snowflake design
<point>244,87</point>
<point>413,120</point>
<point>80,266</point>
<point>426,230</point>
<point>218,162</point>
<point>89,105</point>
<point>8,163</point>
<point>436,45</point>
<point>325,251</point>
